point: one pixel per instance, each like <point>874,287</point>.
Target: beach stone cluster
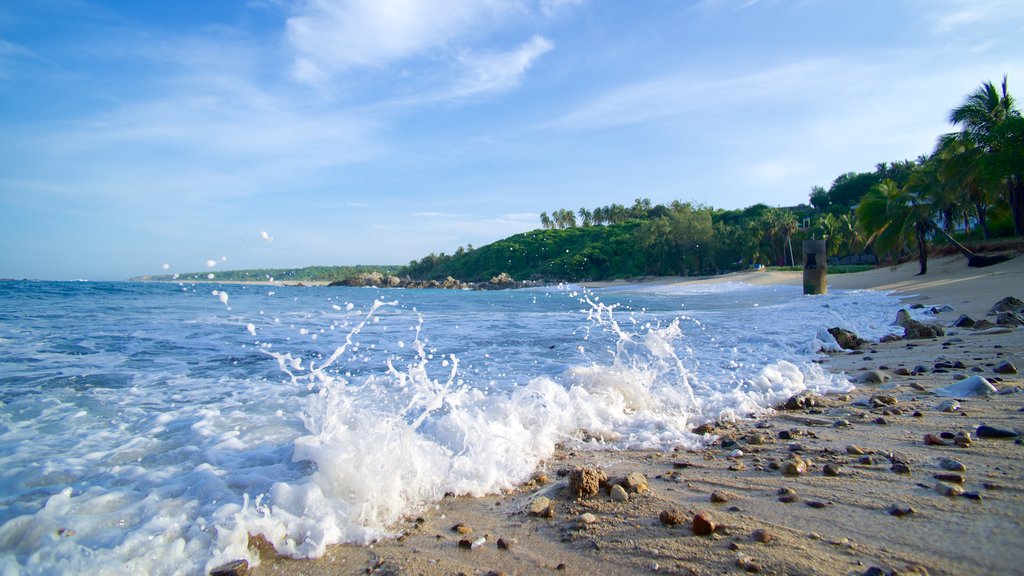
<point>377,280</point>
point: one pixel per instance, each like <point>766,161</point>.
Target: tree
<point>896,220</point>
<point>819,198</point>
<point>545,221</point>
<point>989,119</point>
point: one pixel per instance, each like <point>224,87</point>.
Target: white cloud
<point>504,71</point>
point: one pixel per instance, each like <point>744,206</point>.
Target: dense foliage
<point>971,186</point>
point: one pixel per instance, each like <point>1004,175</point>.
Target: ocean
<point>148,428</point>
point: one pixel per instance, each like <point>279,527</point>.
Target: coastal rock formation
<point>377,280</point>
<point>1008,304</point>
<point>585,482</point>
<point>915,330</point>
<point>845,339</point>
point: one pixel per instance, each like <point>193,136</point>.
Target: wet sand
<point>892,504</point>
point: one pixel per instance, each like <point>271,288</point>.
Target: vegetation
<point>307,274</point>
<point>971,187</point>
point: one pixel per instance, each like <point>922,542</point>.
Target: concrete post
<point>815,267</point>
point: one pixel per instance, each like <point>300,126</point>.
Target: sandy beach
<point>889,478</point>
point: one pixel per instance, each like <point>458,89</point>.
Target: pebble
<point>954,478</point>
<point>541,506</point>
<point>703,523</point>
<point>872,377</point>
<point>506,543</point>
<point>672,517</point>
<point>948,489</point>
<point>855,450</point>
<point>461,529</point>
<point>952,465</point>
<point>762,535</point>
<point>880,400</point>
<point>985,431</point>
<point>900,510</point>
<point>586,481</point>
<point>866,460</point>
<point>233,568</point>
<point>720,497</point>
<point>900,467</point>
<point>619,494</point>
<point>637,482</point>
<point>901,371</point>
<point>933,440</point>
<point>787,495</point>
<point>587,518</point>
<point>1005,367</point>
<point>830,469</point>
<point>881,421</point>
<point>794,467</point>
<point>748,564</point>
<point>948,406</point>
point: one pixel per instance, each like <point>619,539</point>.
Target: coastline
<point>832,524</point>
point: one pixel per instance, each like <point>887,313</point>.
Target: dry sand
<point>832,525</point>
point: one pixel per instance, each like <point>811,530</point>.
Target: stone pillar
<point>815,267</point>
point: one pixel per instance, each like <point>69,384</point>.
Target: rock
<point>964,321</point>
<point>985,326</point>
<point>952,465</point>
<point>672,517</point>
<point>962,440</point>
<point>900,468</point>
<point>1008,304</point>
<point>985,431</point>
<point>762,535</point>
<point>1005,367</point>
<point>941,309</point>
<point>635,483</point>
<point>584,482</point>
<point>948,406</point>
<point>901,371</point>
<point>721,497</point>
<point>466,544</point>
<point>916,330</point>
<point>506,543</point>
<point>947,489</point>
<point>970,386</point>
<point>855,450</point>
<point>900,510</point>
<point>541,506</point>
<point>872,377</point>
<point>233,568</point>
<point>1009,319</point>
<point>801,401</point>
<point>705,428</point>
<point>952,478</point>
<point>703,523</point>
<point>830,469</point>
<point>619,494</point>
<point>794,466</point>
<point>587,518</point>
<point>880,400</point>
<point>748,564</point>
<point>933,440</point>
<point>464,529</point>
<point>846,339</point>
<point>787,495</point>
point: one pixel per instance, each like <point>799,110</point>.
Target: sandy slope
<point>836,525</point>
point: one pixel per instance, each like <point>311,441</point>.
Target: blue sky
<point>138,134</point>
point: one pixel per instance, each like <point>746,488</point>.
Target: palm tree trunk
<point>921,230</point>
<point>973,260</point>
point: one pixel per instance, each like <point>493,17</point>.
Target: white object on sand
<point>972,386</point>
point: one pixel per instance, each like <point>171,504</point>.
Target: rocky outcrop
<point>377,280</point>
<point>915,330</point>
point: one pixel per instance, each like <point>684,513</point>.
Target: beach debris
<point>672,517</point>
<point>1005,367</point>
<point>703,523</point>
<point>985,431</point>
<point>948,406</point>
<point>585,482</point>
<point>233,568</point>
<point>1008,304</point>
<point>872,377</point>
<point>845,339</point>
<point>970,386</point>
<point>541,506</point>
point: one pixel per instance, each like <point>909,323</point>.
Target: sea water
<point>150,428</point>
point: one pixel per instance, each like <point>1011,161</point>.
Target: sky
<point>159,137</point>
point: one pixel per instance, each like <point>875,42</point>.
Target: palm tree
<point>895,220</point>
<point>990,119</point>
